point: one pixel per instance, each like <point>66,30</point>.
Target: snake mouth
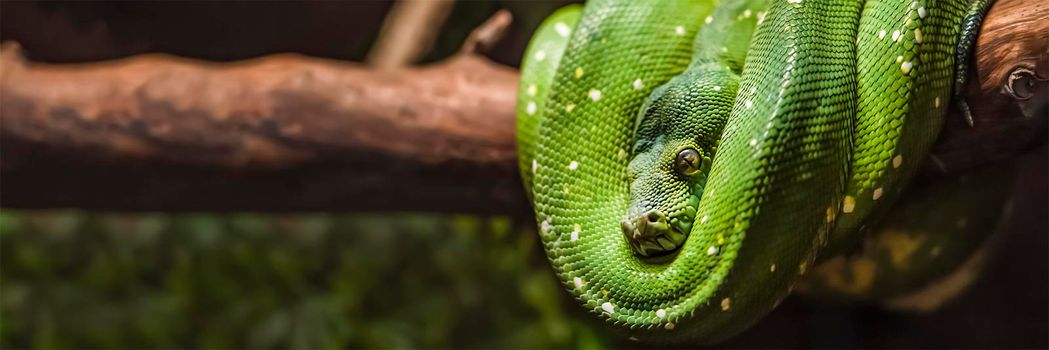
<point>652,234</point>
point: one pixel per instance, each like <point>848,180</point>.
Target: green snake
<point>688,161</point>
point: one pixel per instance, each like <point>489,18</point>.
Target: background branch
<point>408,32</point>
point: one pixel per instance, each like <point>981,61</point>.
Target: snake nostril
<point>655,216</point>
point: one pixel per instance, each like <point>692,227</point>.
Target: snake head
<point>663,201</point>
<point>677,133</point>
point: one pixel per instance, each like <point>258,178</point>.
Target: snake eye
<point>687,162</point>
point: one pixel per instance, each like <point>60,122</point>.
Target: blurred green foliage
<point>86,280</point>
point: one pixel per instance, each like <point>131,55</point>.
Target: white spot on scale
<point>578,282</point>
<point>726,304</point>
<point>897,160</point>
<point>562,29</point>
<point>921,12</point>
<point>936,102</point>
<point>753,142</point>
<point>540,55</point>
<point>575,232</point>
<point>607,306</point>
<point>772,268</point>
<point>530,108</point>
<point>669,326</point>
<point>661,313</point>
<point>573,165</point>
<point>679,30</point>
<point>535,165</point>
<point>906,67</point>
<point>848,204</point>
<point>749,104</point>
<point>746,13</point>
<point>708,20</point>
<point>712,250</point>
<point>717,88</point>
<point>918,35</point>
<point>899,59</point>
<point>895,36</point>
<point>594,95</point>
<point>881,34</point>
<point>638,84</point>
<point>796,2</point>
<point>545,227</point>
<point>704,219</point>
<point>877,193</point>
<point>531,90</point>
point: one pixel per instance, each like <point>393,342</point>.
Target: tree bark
<point>278,133</point>
<point>291,133</point>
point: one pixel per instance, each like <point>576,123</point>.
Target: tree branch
<point>290,133</point>
<point>408,32</point>
<point>278,133</point>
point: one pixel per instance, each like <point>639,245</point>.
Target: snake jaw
<point>651,234</point>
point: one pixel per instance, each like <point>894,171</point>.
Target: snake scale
<point>689,160</point>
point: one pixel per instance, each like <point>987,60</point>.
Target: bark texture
<point>292,133</point>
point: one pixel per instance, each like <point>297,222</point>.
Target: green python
<point>688,160</point>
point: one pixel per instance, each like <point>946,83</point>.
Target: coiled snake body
<point>688,160</point>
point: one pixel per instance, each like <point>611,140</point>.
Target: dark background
<point>82,279</point>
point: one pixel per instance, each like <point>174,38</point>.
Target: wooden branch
<point>278,133</point>
<point>290,133</point>
<point>1011,51</point>
<point>408,32</point>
